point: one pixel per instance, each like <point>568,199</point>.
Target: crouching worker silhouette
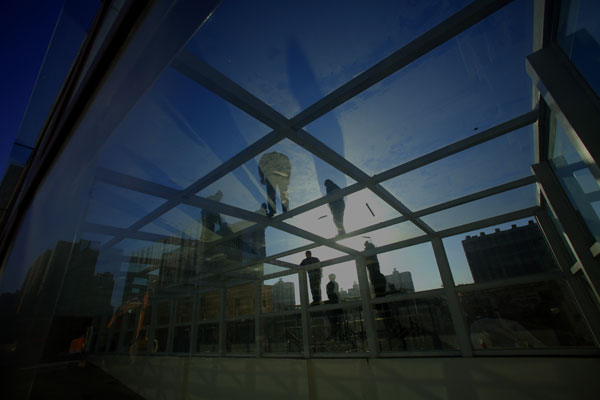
<point>274,170</point>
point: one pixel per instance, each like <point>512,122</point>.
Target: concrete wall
<point>516,378</point>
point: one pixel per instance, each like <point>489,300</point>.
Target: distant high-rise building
<point>283,295</point>
<point>506,254</point>
<point>400,281</point>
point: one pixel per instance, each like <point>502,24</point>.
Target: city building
<point>507,253</point>
<point>142,227</point>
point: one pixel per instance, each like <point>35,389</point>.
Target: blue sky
<point>26,28</point>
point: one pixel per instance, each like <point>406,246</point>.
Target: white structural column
<point>306,341</point>
<point>368,316</point>
<point>458,320</point>
<point>222,324</point>
<point>568,218</point>
<point>257,315</point>
<point>573,102</point>
<point>563,259</point>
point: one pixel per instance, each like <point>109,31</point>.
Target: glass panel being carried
<point>499,252</point>
<point>532,315</point>
<point>414,325</point>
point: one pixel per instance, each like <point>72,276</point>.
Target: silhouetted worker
<point>314,277</point>
<point>332,288</point>
<point>276,168</point>
<point>377,278</point>
<point>337,207</point>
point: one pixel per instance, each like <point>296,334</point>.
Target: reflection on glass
<point>240,336</point>
<point>498,252</point>
<point>470,83</point>
<point>163,313</point>
<point>472,170</point>
<point>119,207</point>
<point>207,340</point>
<point>160,336</point>
<point>209,305</point>
<point>344,279</point>
<point>240,300</point>
<point>575,178</point>
<point>579,37</point>
<point>361,209</point>
<point>405,270</point>
<point>182,338</point>
<point>512,200</point>
<point>183,309</point>
<point>281,294</point>
<point>295,67</point>
<point>277,180</point>
<point>416,324</point>
<point>173,123</point>
<point>383,236</point>
<point>534,315</point>
<point>338,330</point>
<point>282,334</point>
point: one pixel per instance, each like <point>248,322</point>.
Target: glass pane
<point>282,178</point>
<point>208,338</point>
<point>534,315</point>
<point>470,83</point>
<point>295,67</point>
<point>184,309</point>
<point>172,122</point>
<point>338,331</point>
<point>209,305</point>
<point>183,336</point>
<point>282,334</point>
<point>380,237</point>
<point>240,336</point>
<point>163,313</point>
<point>240,300</point>
<point>160,336</point>
<point>403,271</point>
<point>323,253</point>
<point>579,37</point>
<point>119,207</point>
<point>333,284</point>
<point>575,178</point>
<point>356,211</point>
<point>281,294</point>
<point>416,324</point>
<point>498,252</point>
<point>470,171</point>
<point>512,200</point>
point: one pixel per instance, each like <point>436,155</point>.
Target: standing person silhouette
<point>337,207</point>
<point>274,170</point>
<point>314,277</point>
